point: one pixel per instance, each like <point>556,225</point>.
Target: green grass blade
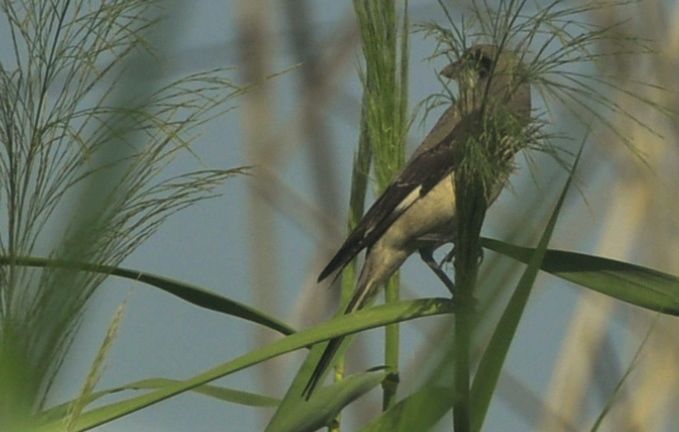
<point>222,393</point>
<point>347,324</point>
<point>630,283</point>
<point>293,395</point>
<point>493,358</point>
<point>419,411</point>
<point>290,403</point>
<point>326,403</point>
<point>76,407</point>
<point>610,403</point>
<point>190,293</point>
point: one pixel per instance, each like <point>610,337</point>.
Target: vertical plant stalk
<point>392,292</point>
<point>471,210</point>
<point>385,105</point>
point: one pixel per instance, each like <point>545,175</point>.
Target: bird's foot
<point>428,258</point>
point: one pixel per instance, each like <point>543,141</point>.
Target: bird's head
<point>487,75</point>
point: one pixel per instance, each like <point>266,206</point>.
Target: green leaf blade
<point>326,403</point>
<point>419,411</point>
<point>631,283</point>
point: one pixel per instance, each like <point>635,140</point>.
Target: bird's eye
<point>483,64</point>
<point>479,62</point>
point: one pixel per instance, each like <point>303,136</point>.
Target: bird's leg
<point>428,258</point>
<point>449,257</point>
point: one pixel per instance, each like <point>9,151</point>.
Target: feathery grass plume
<point>563,55</point>
<point>77,148</point>
<point>94,375</point>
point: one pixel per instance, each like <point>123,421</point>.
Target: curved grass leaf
<point>420,411</point>
<point>614,396</point>
<point>293,396</point>
<point>326,403</point>
<point>344,325</point>
<point>630,283</point>
<point>185,291</point>
<point>222,393</point>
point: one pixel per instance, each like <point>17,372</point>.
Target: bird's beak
<point>452,71</point>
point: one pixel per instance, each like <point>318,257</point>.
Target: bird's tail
<point>362,294</point>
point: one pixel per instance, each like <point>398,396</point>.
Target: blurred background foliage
<point>264,241</point>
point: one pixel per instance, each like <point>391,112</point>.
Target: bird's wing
<point>443,127</point>
<point>422,172</point>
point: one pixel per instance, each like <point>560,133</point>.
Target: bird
<point>416,212</point>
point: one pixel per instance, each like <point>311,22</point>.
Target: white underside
<point>432,215</point>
